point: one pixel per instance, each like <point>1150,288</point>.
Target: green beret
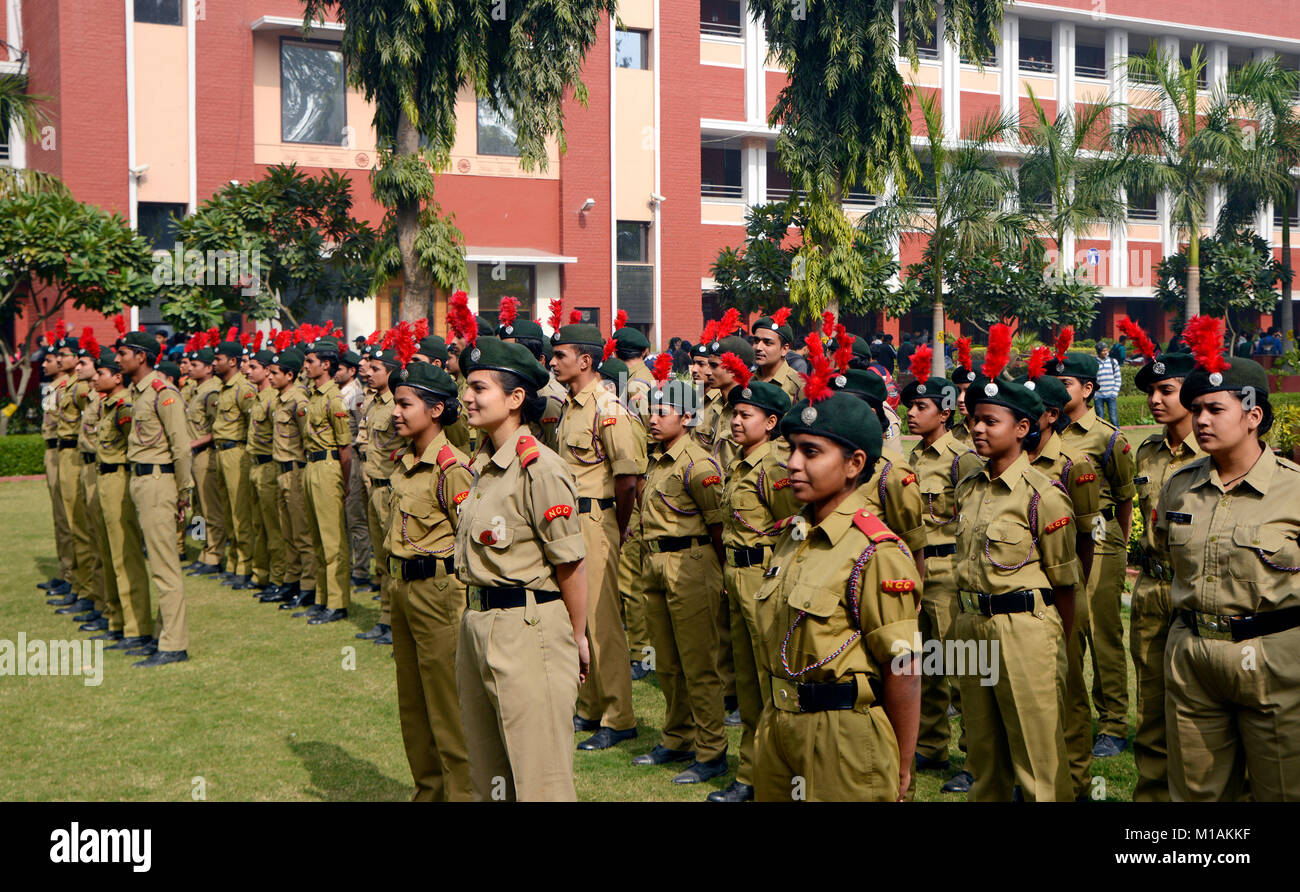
<point>323,347</point>
<point>1076,365</point>
<point>680,395</point>
<point>107,359</point>
<point>350,359</point>
<point>785,332</point>
<point>734,344</point>
<point>1167,365</point>
<point>428,377</point>
<point>522,328</point>
<point>766,396</point>
<point>940,390</point>
<point>1049,389</point>
<point>264,357</point>
<point>841,417</point>
<point>864,384</point>
<point>1002,392</point>
<point>232,349</point>
<point>630,337</point>
<point>962,375</point>
<point>141,340</point>
<point>70,343</point>
<point>1239,375</point>
<point>501,356</point>
<point>701,349</point>
<point>167,367</point>
<point>205,356</point>
<point>484,327</point>
<point>615,370</point>
<point>289,360</point>
<point>433,347</point>
<point>581,334</point>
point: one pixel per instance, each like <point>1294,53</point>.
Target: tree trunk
<point>1194,274</point>
<point>936,320</point>
<point>1288,312</point>
<point>417,282</point>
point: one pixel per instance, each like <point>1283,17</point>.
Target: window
<point>158,12</point>
<point>990,57</point>
<point>1089,61</point>
<point>923,189</point>
<point>156,222</point>
<point>1140,46</point>
<point>720,173</point>
<point>1295,212</point>
<point>632,49</point>
<point>927,41</point>
<point>496,131</point>
<point>1142,205</point>
<point>1202,77</point>
<point>633,242</point>
<point>1036,46</point>
<point>636,295</point>
<point>720,18</point>
<point>495,281</point>
<point>313,106</point>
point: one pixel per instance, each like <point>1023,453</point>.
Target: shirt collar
<point>1086,421</point>
<point>430,454</point>
<point>586,394</point>
<point>509,449</point>
<point>837,524</point>
<point>1012,476</point>
<point>1258,478</point>
<point>1051,449</point>
<point>756,457</point>
<point>146,381</point>
<point>671,455</point>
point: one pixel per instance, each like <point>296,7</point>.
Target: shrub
<point>22,455</point>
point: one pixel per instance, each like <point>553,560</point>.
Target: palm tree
<point>965,207</point>
<point>23,111</point>
<point>1180,148</point>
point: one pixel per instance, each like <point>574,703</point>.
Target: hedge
<point>1133,409</point>
<point>22,455</point>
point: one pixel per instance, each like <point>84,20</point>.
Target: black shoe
<point>958,783</point>
<point>78,606</point>
<point>732,719</point>
<point>304,598</point>
<point>229,579</point>
<point>192,566</point>
<point>737,792</point>
<point>639,670</point>
<point>328,616</point>
<point>51,584</point>
<point>662,755</point>
<point>360,583</point>
<point>386,638</point>
<point>605,738</point>
<point>63,601</point>
<point>243,583</point>
<point>129,643</point>
<point>730,704</point>
<point>1108,745</point>
<point>377,598</point>
<point>148,649</point>
<point>205,570</point>
<point>98,624</point>
<point>89,617</point>
<point>63,588</point>
<point>280,593</point>
<point>313,610</point>
<point>162,658</point>
<point>925,763</point>
<point>581,724</point>
<point>375,631</point>
<point>109,635</point>
<point>698,772</point>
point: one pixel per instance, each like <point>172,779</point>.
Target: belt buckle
<point>475,598</point>
<point>653,545</point>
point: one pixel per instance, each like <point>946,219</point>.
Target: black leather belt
<point>1239,628</point>
<point>109,468</point>
<point>584,504</point>
<point>361,453</point>
<point>1012,602</point>
<point>674,543</point>
<point>52,443</point>
<point>421,567</point>
<point>322,455</point>
<point>939,550</point>
<point>827,696</point>
<point>1156,569</point>
<point>140,469</point>
<point>290,465</point>
<point>87,458</point>
<point>228,444</point>
<point>261,459</point>
<point>1108,512</point>
<point>745,557</point>
<point>197,449</point>
<point>66,443</point>
<point>380,481</point>
<point>504,597</point>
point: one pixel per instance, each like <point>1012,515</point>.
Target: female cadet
<point>432,477</point>
<point>1230,521</point>
<point>836,619</point>
<point>522,649</point>
<point>1015,562</point>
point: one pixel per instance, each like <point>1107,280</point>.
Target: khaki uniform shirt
<point>706,421</point>
<point>756,496</point>
<point>961,430</point>
<point>201,410</point>
<point>88,435</point>
<point>1156,463</point>
<point>234,406</point>
<point>289,417</point>
<point>353,395</point>
<point>893,496</point>
<point>114,427</point>
<point>74,396</point>
<point>939,468</point>
<point>382,439</point>
<point>725,449</point>
<point>683,492</point>
<point>1073,471</point>
<point>158,431</point>
<point>893,434</point>
<point>820,622</point>
<point>519,520</point>
<point>427,491</point>
<point>327,419</point>
<point>50,404</point>
<point>999,550</point>
<point>261,423</point>
<point>1112,456</point>
<point>1234,552</point>
<point>187,389</point>
<point>788,380</point>
<point>548,428</point>
<point>639,384</point>
<point>599,440</point>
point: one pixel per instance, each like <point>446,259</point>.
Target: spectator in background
<point>884,353</point>
<point>1242,347</point>
<point>1119,352</point>
<point>905,351</point>
<point>1275,341</point>
<point>1108,383</point>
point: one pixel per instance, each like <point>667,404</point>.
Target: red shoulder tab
<point>910,478</point>
<point>606,422</point>
<point>446,458</point>
<point>781,484</point>
<point>528,450</point>
<point>871,526</point>
<point>120,401</point>
<point>1057,524</point>
<point>158,384</point>
<point>1084,478</point>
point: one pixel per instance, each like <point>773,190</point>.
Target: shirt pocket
<point>580,445</point>
<point>1264,554</point>
<point>493,533</point>
<point>1008,544</point>
<point>938,507</point>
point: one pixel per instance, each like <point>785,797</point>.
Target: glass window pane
<point>496,132</point>
<point>158,12</point>
<point>312,102</point>
<point>632,242</point>
<point>496,281</point>
<point>636,293</point>
<point>631,49</point>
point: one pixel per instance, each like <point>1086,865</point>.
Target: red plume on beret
<point>575,317</point>
<point>60,330</point>
<point>710,333</point>
<point>921,361</point>
<point>509,310</point>
<point>88,344</point>
<point>610,346</point>
<point>734,364</point>
<point>1204,335</point>
<point>817,385</point>
<point>460,320</point>
<point>232,333</point>
<point>1141,342</point>
<point>828,324</point>
<point>620,319</point>
<point>780,316</point>
<point>245,339</point>
<point>119,322</point>
<point>963,353</point>
<point>374,337</point>
<point>1038,362</point>
<point>844,348</point>
<point>258,337</point>
<point>663,367</point>
<point>421,328</point>
<point>557,313</point>
<point>999,352</point>
<point>729,325</point>
<point>283,341</point>
<point>1063,341</point>
<point>404,344</point>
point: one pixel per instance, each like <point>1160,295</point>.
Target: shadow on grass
<point>338,776</point>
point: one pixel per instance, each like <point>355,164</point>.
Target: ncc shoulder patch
<point>910,478</point>
<point>249,395</point>
<point>446,458</point>
<point>460,497</point>
<point>169,401</point>
<point>606,422</point>
<point>711,480</point>
<point>342,414</point>
<point>898,585</point>
<point>1127,447</point>
<point>157,384</point>
<point>781,484</point>
<point>1084,478</point>
<point>1057,524</point>
<point>871,526</point>
<point>550,420</point>
<point>554,511</point>
<point>527,450</point>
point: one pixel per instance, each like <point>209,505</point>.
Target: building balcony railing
<point>1143,215</point>
<point>4,154</point>
<point>719,29</point>
<point>927,53</point>
<point>1037,66</point>
<point>779,193</point>
<point>1295,220</point>
<point>721,190</point>
<point>1091,71</point>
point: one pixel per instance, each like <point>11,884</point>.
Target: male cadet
<point>158,450</point>
<point>530,334</point>
<point>631,347</point>
<point>200,410</point>
<point>772,339</point>
<point>433,350</point>
<point>1112,458</point>
<point>235,400</point>
<point>605,451</point>
<point>103,597</point>
<point>268,542</point>
<point>709,400</point>
<point>329,457</point>
<point>353,394</point>
<point>380,463</point>
<point>725,450</point>
<point>877,397</point>
<point>962,376</point>
<point>289,417</point>
<point>60,586</point>
<point>74,396</point>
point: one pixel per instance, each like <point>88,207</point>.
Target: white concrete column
<point>753,166</point>
<point>949,81</point>
<point>887,194</point>
<point>1216,65</point>
<point>1009,83</point>
<point>1117,70</point>
<point>1169,50</point>
<point>1264,216</point>
<point>755,54</point>
<point>1063,53</point>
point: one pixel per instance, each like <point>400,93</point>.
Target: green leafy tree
<point>1238,274</point>
<point>25,112</point>
<point>411,58</point>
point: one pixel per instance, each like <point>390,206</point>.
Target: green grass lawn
<point>264,710</point>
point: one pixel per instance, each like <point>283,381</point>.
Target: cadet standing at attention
<point>1016,577</point>
<point>1150,614</point>
<point>268,541</point>
<point>522,650</point>
<point>158,450</point>
<point>837,619</point>
<point>235,400</point>
<point>74,395</point>
<point>353,394</point>
<point>708,396</point>
<point>104,589</point>
<point>60,586</point>
<point>962,375</point>
<point>725,449</point>
<point>288,452</point>
<point>605,453</point>
<point>941,462</point>
<point>200,410</point>
<point>1230,521</point>
<point>529,334</point>
<point>772,339</point>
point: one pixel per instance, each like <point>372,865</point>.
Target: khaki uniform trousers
<point>1014,727</point>
<point>1233,710</point>
<point>1077,709</point>
<point>426,625</point>
<point>630,559</point>
<point>379,515</point>
<point>841,755</point>
<point>235,492</point>
<point>207,488</point>
<point>83,544</point>
<point>752,687</point>
<point>295,528</point>
<point>1149,617</point>
<point>266,490</point>
<point>88,506</point>
<point>62,532</point>
<point>323,485</point>
<point>1105,632</point>
<point>607,693</point>
<point>124,553</point>
<point>517,679</point>
<point>358,521</point>
<point>154,496</point>
<point>682,589</point>
<point>936,620</point>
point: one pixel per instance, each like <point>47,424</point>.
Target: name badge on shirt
<point>771,572</point>
<point>1177,517</point>
<point>1140,480</point>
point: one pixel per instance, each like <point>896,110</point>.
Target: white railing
<point>719,29</point>
<point>720,190</point>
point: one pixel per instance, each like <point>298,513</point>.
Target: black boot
<point>280,593</point>
<point>110,635</point>
<point>78,606</point>
<point>304,598</point>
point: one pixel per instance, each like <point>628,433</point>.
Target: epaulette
<point>873,527</point>
<point>446,458</point>
<point>120,401</point>
<point>158,384</point>
<point>1288,464</point>
<point>528,450</point>
<point>784,522</point>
